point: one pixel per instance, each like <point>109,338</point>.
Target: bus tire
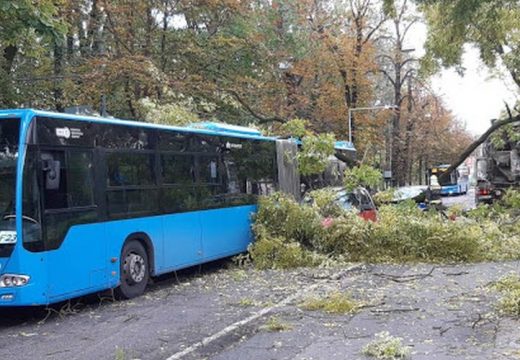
<point>134,270</point>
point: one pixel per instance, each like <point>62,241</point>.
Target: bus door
<point>181,225</point>
<point>75,243</point>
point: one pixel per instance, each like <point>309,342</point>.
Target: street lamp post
<point>350,111</point>
<point>384,107</point>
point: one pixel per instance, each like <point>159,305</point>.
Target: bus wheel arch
<point>145,240</point>
<point>135,266</point>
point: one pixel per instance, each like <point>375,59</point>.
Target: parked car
<point>358,200</point>
<point>424,196</point>
<point>416,193</point>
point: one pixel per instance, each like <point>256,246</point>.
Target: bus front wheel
<point>134,270</point>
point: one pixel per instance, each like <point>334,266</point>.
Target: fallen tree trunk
<point>496,125</point>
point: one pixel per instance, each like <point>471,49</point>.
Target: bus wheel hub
<point>135,267</point>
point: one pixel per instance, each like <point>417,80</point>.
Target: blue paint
<point>455,189</point>
<point>82,264</point>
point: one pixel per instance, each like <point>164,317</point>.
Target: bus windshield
<point>9,138</point>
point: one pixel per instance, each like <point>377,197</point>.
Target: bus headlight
<point>13,280</point>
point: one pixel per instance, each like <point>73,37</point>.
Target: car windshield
<point>346,200</point>
<point>9,137</point>
<point>408,192</point>
<point>358,199</point>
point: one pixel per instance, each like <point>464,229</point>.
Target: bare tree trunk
<point>58,71</point>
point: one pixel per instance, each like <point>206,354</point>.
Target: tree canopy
<point>257,62</point>
<point>493,26</point>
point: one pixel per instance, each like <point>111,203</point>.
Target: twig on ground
<point>404,278</point>
<point>395,310</point>
<point>456,273</point>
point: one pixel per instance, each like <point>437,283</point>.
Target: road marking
<point>255,316</point>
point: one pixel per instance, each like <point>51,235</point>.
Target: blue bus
<point>457,184</point>
<point>89,204</point>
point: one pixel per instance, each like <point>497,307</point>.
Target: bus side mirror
<point>51,169</point>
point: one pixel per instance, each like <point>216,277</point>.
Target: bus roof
<point>208,128</point>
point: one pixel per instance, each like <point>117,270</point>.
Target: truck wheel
<point>134,270</point>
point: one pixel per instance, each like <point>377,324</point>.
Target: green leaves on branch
<point>296,128</point>
<point>491,25</point>
<point>316,149</point>
<point>289,234</point>
<point>506,134</point>
<point>315,152</point>
<point>362,175</point>
<point>180,113</point>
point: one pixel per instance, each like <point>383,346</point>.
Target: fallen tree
<point>473,146</point>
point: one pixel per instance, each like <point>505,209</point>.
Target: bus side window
<point>68,180</point>
<point>51,169</point>
<point>54,184</point>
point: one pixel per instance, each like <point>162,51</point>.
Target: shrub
<point>384,197</point>
<point>511,199</point>
<point>295,127</point>
<point>313,157</point>
<point>277,253</point>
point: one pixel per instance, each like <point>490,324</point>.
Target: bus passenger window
<point>130,168</point>
<point>209,169</point>
<point>177,169</point>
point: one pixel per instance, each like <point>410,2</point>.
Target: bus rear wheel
<point>134,271</point>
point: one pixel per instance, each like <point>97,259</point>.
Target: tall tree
<point>397,68</point>
<point>24,25</point>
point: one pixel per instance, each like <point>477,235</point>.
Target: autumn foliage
<point>243,62</point>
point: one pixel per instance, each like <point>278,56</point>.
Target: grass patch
<point>274,324</point>
<point>509,288</point>
<point>386,347</point>
<point>246,302</point>
<point>335,303</point>
<point>120,354</point>
<point>239,275</point>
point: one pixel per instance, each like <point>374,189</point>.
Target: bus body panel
<point>83,254</point>
<point>226,231</point>
<point>182,241</point>
<point>32,264</point>
<point>117,231</point>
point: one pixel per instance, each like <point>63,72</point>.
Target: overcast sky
<point>476,97</point>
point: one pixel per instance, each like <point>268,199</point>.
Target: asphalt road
<point>467,201</point>
<point>441,312</point>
